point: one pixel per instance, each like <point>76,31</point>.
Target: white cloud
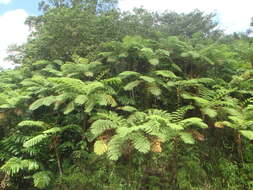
<point>13,31</point>
<point>5,1</point>
<point>234,16</point>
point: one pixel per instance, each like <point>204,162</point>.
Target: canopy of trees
<point>109,100</point>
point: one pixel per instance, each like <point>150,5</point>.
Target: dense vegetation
<point>110,100</point>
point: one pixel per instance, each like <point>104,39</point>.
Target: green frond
<point>81,99</point>
<point>212,113</point>
<point>162,52</point>
<point>179,114</point>
<point>89,106</point>
<point>30,165</point>
<point>187,138</point>
<point>166,74</point>
<point>154,90</point>
<point>53,130</point>
<point>112,116</point>
<point>115,81</point>
<point>41,179</point>
<point>140,142</point>
<point>100,126</point>
<point>127,74</point>
<point>248,134</point>
<point>69,84</point>
<point>15,165</point>
<point>147,52</point>
<point>52,72</point>
<point>69,108</point>
<point>115,147</point>
<point>93,87</point>
<point>205,80</point>
<point>193,121</point>
<point>46,101</point>
<point>35,140</point>
<point>130,86</point>
<point>31,123</point>
<point>199,101</point>
<point>154,61</point>
<point>105,99</point>
<point>147,79</point>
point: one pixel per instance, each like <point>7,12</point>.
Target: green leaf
<point>130,86</point>
<point>147,79</point>
<point>115,147</point>
<point>31,123</point>
<point>193,121</point>
<point>148,52</point>
<point>70,107</point>
<point>210,112</point>
<point>187,138</point>
<point>126,74</point>
<point>154,62</point>
<point>81,99</point>
<point>141,143</point>
<point>155,90</point>
<point>35,140</point>
<point>100,126</point>
<point>15,165</point>
<point>41,179</point>
<point>47,101</point>
<point>53,130</point>
<point>166,73</point>
<point>248,134</point>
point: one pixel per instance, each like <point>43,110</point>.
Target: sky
<point>233,16</point>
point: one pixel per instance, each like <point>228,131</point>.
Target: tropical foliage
<point>102,99</point>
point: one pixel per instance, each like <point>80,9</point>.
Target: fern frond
<point>248,134</point>
<point>35,140</point>
<point>179,114</point>
<point>41,179</point>
<point>147,79</point>
<point>45,101</point>
<point>154,90</point>
<point>69,108</point>
<point>140,142</point>
<point>127,74</point>
<point>212,113</point>
<point>15,165</point>
<point>130,86</point>
<point>100,126</point>
<point>193,121</point>
<point>166,74</point>
<point>69,84</point>
<point>53,130</point>
<point>81,99</point>
<point>31,123</point>
<point>115,81</point>
<point>115,147</point>
<point>187,138</point>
